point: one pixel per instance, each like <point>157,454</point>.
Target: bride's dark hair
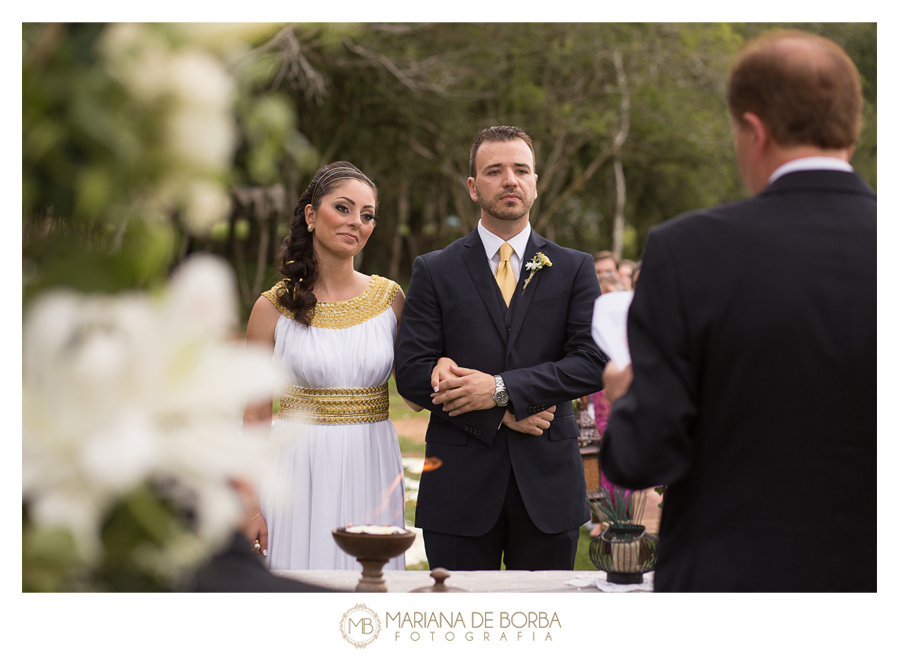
<point>296,258</point>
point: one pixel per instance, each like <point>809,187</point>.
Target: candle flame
<point>386,495</point>
<point>431,463</point>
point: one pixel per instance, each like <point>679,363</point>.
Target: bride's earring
<point>310,228</point>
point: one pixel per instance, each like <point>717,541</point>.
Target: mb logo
<point>360,626</point>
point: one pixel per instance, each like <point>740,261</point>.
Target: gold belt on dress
<point>335,406</point>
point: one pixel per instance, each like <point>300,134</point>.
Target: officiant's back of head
<point>804,88</point>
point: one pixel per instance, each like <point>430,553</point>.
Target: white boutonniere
<point>535,265</point>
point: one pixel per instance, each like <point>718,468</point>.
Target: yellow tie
<point>504,276</point>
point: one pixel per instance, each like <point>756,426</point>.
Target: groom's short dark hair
<point>497,134</point>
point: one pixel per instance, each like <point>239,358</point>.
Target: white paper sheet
<point>609,326</point>
<point>603,585</point>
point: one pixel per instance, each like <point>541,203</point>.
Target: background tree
<point>630,126</point>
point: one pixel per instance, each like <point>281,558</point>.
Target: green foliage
<point>50,561</point>
<point>411,448</point>
<point>103,258</point>
<point>619,508</point>
<point>87,146</point>
<point>403,102</point>
<point>137,540</point>
<point>582,553</point>
<point>662,492</point>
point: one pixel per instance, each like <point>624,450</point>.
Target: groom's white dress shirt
<point>492,244</point>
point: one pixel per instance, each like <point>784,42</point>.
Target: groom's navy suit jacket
<point>542,348</point>
<point>753,338</point>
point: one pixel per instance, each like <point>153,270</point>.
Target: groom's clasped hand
<point>460,390</point>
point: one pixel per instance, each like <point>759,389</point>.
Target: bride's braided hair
<point>296,258</point>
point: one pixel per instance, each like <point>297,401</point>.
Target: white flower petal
<point>118,390</point>
<point>199,79</point>
<point>201,137</point>
<point>121,456</point>
<point>207,204</point>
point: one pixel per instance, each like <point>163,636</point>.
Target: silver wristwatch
<point>501,397</point>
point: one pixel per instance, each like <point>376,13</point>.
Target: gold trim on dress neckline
<point>377,297</point>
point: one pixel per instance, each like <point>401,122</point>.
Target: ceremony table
<point>471,581</point>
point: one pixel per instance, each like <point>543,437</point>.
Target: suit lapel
<point>477,263</point>
<point>523,297</point>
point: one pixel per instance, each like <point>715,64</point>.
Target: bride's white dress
<point>335,474</point>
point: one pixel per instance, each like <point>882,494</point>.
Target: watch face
<point>501,398</point>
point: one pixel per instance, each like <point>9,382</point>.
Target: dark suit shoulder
<point>813,196</point>
<point>820,181</point>
<point>689,222</point>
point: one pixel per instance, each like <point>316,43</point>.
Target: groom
<point>513,329</point>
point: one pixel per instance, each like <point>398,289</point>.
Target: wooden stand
<point>590,458</point>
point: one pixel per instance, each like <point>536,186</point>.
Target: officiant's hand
<point>466,390</point>
<point>534,425</point>
<point>616,381</point>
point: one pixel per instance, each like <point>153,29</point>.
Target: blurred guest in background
<point>606,262</point>
<point>609,283</point>
<point>635,274</point>
<point>626,273</point>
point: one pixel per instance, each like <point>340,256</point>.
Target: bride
<point>333,330</point>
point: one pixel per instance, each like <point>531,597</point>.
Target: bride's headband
<point>331,179</point>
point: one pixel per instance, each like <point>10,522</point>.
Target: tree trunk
<point>619,140</point>
<point>619,221</point>
<point>262,255</point>
<point>402,227</point>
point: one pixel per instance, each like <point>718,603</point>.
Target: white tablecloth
<point>475,581</point>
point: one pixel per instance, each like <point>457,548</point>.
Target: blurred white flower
<point>197,94</point>
<point>201,138</point>
<point>138,56</point>
<point>226,37</point>
<point>199,79</point>
<point>122,390</point>
<point>207,204</point>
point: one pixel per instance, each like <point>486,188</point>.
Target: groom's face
<point>505,185</point>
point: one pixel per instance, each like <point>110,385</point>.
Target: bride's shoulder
<point>272,296</point>
<point>384,288</point>
<point>263,319</point>
<point>389,294</point>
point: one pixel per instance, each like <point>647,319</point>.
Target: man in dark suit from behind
<point>752,391</point>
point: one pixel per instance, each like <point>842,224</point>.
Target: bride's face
<point>344,220</point>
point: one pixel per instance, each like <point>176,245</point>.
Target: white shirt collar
<point>492,243</point>
<point>808,164</point>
